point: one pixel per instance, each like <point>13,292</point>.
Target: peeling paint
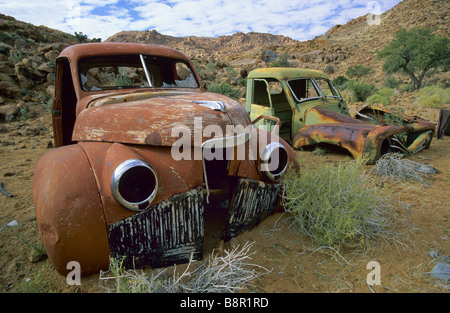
<point>165,234</point>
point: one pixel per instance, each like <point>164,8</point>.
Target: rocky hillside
<point>342,46</point>
<point>358,41</point>
<point>206,48</point>
<point>27,67</point>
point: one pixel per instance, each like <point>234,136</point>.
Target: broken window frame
<point>314,85</point>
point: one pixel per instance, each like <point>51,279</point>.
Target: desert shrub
<point>391,82</point>
<point>281,61</point>
<point>329,69</point>
<point>381,96</point>
<point>336,205</point>
<point>39,282</point>
<point>16,57</point>
<point>360,90</point>
<point>375,99</point>
<point>340,81</point>
<point>358,71</point>
<point>224,89</point>
<point>433,96</point>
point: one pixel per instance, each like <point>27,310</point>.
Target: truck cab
<point>289,93</point>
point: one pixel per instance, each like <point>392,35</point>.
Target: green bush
<point>391,82</point>
<point>376,99</point>
<point>340,81</point>
<point>336,205</point>
<point>224,89</point>
<point>281,61</point>
<point>358,71</point>
<point>329,69</point>
<point>381,96</point>
<point>433,96</point>
<point>360,90</point>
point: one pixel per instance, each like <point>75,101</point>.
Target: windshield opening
<point>130,71</point>
<point>303,89</point>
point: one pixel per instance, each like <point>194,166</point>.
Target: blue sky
<point>301,20</point>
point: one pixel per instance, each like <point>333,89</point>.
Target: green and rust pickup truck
<point>309,110</point>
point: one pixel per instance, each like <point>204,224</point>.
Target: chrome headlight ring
<point>134,184</point>
<point>274,161</point>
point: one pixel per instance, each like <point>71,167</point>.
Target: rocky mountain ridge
<point>219,48</point>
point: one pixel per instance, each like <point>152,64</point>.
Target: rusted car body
<point>312,112</point>
<point>142,153</point>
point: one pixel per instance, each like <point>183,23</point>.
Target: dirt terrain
<point>295,263</point>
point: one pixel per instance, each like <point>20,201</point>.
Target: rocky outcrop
<point>27,67</point>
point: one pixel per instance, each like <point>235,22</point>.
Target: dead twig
<point>3,191</point>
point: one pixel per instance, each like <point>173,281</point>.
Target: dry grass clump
<point>225,274</point>
<point>396,167</point>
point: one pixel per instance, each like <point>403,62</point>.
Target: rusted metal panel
<point>319,115</point>
<point>252,202</point>
<point>361,139</point>
<point>170,232</point>
<point>174,176</point>
<point>154,121</point>
<point>69,212</point>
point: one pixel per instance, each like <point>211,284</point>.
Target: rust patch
<point>153,139</point>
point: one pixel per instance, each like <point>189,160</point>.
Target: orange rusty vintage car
<point>142,155</point>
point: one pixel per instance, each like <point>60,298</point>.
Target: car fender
<point>69,211</point>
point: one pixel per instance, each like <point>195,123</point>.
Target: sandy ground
<point>295,263</point>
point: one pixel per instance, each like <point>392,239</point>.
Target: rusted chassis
<point>361,138</point>
<point>79,218</point>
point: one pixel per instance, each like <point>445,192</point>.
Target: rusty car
<point>142,154</point>
<point>313,112</point>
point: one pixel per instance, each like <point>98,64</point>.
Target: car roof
<point>78,51</point>
<point>284,73</point>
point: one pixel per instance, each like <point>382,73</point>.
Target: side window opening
<point>260,95</point>
<point>269,92</point>
<point>327,88</point>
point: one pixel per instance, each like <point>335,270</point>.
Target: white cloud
<point>103,18</point>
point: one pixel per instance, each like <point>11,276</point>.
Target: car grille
<point>170,232</point>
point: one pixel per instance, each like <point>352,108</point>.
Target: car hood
<point>161,120</point>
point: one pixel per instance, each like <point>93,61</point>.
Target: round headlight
<point>134,184</point>
<point>274,161</point>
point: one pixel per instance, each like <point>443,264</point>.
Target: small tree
<point>358,71</point>
<point>80,37</point>
<point>416,52</point>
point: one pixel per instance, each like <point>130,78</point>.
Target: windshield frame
<point>318,90</point>
<point>144,63</point>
